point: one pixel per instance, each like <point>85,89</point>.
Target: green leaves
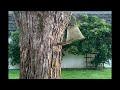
<point>93,18</point>
<point>98,38</point>
<point>14,49</point>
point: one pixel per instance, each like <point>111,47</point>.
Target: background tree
<point>39,30</point>
<point>98,38</point>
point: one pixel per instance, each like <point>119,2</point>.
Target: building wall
<point>77,61</point>
<point>106,15</point>
<point>11,22</point>
<point>73,61</point>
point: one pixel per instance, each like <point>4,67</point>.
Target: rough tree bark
<point>40,59</point>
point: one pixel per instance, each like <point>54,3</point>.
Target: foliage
<point>98,39</point>
<point>14,49</point>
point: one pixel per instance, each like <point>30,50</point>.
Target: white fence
<point>77,61</point>
<point>70,61</point>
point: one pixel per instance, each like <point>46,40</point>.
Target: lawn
<point>75,74</point>
<point>13,74</point>
<point>86,74</point>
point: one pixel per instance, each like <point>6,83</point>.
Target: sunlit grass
<point>86,74</point>
<point>13,74</point>
<point>75,74</point>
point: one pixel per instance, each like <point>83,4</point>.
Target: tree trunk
<point>40,59</point>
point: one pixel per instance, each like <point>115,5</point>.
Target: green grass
<point>13,74</point>
<point>75,74</point>
<point>86,74</point>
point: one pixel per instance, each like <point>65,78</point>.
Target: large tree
<point>39,33</point>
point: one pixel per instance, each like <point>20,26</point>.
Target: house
<point>11,22</point>
<point>107,15</point>
<point>69,60</point>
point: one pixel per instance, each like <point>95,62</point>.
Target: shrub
<point>98,39</point>
<point>14,49</point>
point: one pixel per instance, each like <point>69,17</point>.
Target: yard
<point>75,74</point>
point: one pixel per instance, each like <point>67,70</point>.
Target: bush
<point>98,39</point>
<point>14,49</point>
